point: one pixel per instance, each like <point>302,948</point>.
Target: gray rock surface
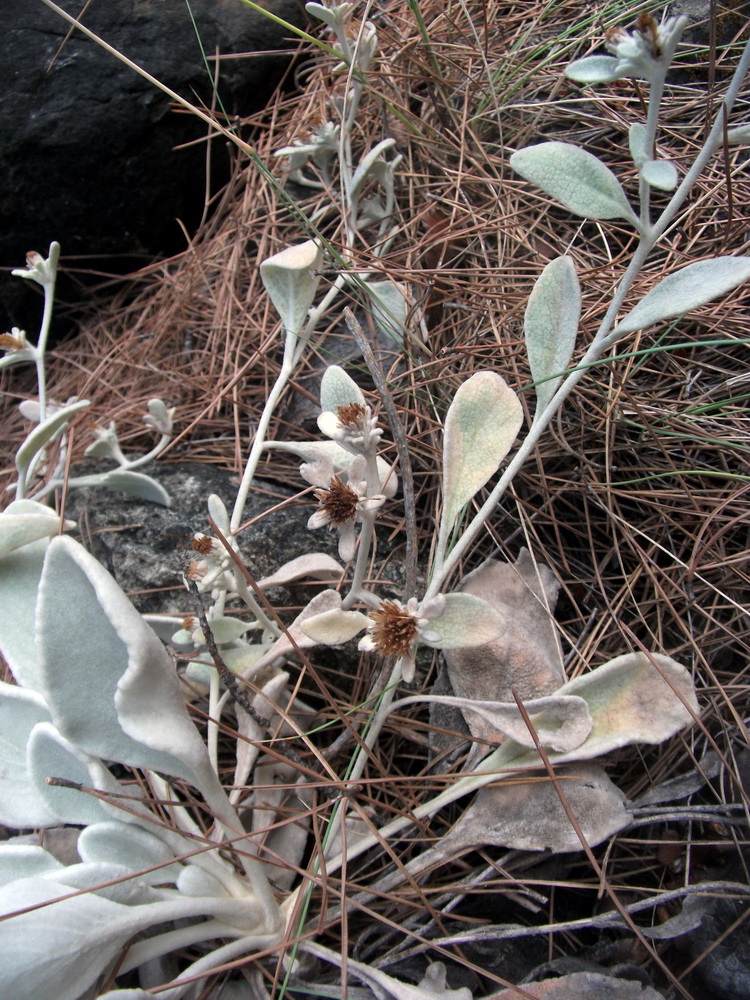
<point>146,547</point>
<point>88,149</point>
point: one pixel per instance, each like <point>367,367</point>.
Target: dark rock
<point>146,547</point>
<point>88,148</point>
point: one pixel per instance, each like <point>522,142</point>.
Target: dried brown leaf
<point>527,656</point>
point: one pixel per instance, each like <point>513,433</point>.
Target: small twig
<point>235,691</point>
<point>402,447</point>
<point>240,697</point>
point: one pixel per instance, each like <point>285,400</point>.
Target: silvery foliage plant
<point>52,419</point>
<point>94,687</point>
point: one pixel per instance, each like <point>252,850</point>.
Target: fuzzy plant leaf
<point>91,639</point>
<point>329,451</point>
<point>331,16</point>
<point>20,573</point>
<point>528,816</point>
<point>50,755</point>
<point>26,521</point>
<point>593,69</point>
<point>130,994</point>
<point>22,806</point>
<point>660,174</point>
<point>366,165</point>
<point>637,137</point>
<point>134,848</point>
<point>686,289</point>
<point>290,277</point>
<point>313,566</point>
<point>480,428</point>
<point>464,621</point>
<point>223,629</point>
<point>324,601</point>
<point>575,178</point>
<point>19,861</point>
<point>630,699</point>
<point>338,389</point>
<point>218,513</point>
<point>583,986</point>
<point>561,723</point>
<point>57,951</point>
<point>44,432</point>
<point>134,484</point>
<point>334,627</point>
<point>389,306</point>
<point>526,659</point>
<point>551,326</point>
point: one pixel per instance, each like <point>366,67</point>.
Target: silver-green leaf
<point>686,289</point>
<point>593,69</point>
<point>290,277</point>
<point>575,178</point>
<point>551,325</point>
<point>480,427</point>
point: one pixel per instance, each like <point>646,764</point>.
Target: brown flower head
<point>202,544</point>
<point>394,628</point>
<point>352,426</point>
<point>338,503</point>
<point>342,504</point>
<point>10,342</point>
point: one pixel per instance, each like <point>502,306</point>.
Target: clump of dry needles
<point>637,496</point>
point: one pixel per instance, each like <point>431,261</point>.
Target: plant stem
<point>605,337</point>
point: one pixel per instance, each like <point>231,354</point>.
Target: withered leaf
<point>527,657</point>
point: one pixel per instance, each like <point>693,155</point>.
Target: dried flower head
<point>11,342</point>
<point>394,628</point>
<point>397,628</point>
<point>353,427</point>
<point>195,572</point>
<point>202,544</point>
<point>338,503</point>
<point>342,504</point>
<point>352,416</point>
<point>645,53</point>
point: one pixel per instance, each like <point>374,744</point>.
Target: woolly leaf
<point>366,165</point>
<point>218,514</point>
<point>686,289</point>
<point>20,572</point>
<point>551,325</point>
<point>389,308</point>
<point>25,861</point>
<point>331,628</point>
<point>338,389</point>
<point>660,174</point>
<point>50,755</point>
<point>291,281</point>
<point>313,565</point>
<point>466,621</point>
<point>26,521</point>
<point>575,178</point>
<point>135,484</point>
<point>480,427</point>
<point>593,69</point>
<point>21,804</point>
<point>130,846</point>
<point>561,723</point>
<point>42,434</point>
<point>91,639</point>
<point>637,135</point>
